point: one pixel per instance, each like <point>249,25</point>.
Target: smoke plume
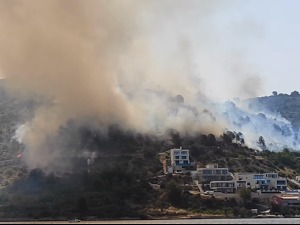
<point>145,65</point>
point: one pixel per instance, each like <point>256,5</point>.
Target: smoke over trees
<point>131,63</point>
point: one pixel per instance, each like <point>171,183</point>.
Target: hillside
<point>13,113</point>
<point>123,182</point>
<point>287,105</point>
<point>120,176</point>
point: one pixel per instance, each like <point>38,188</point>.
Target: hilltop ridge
<point>288,105</point>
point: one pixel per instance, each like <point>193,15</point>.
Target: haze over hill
<point>98,169</point>
<point>288,105</point>
<point>256,123</point>
<point>127,71</point>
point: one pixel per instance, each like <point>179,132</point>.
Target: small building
<point>265,181</point>
<point>231,186</point>
<point>180,157</point>
<point>212,172</point>
<point>223,186</point>
<point>287,200</point>
<point>179,160</point>
<point>175,160</point>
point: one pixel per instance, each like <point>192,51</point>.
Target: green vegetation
<point>245,194</point>
<point>283,160</point>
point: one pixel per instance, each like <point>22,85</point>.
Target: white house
<point>213,173</point>
<point>265,181</point>
<point>223,186</point>
<point>180,158</point>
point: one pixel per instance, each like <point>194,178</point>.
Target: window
<point>176,157</point>
<point>183,157</point>
<point>224,171</point>
<point>258,177</point>
<point>184,153</point>
<point>185,162</point>
<point>281,182</point>
<point>218,171</point>
<point>207,171</point>
<point>272,175</point>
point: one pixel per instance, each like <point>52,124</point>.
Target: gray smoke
<point>105,62</point>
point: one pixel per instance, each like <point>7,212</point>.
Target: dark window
<point>224,171</point>
<point>207,171</point>
<point>281,182</point>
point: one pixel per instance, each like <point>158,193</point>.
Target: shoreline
<point>148,218</point>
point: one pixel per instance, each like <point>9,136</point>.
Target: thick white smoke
<point>145,65</point>
<point>277,132</point>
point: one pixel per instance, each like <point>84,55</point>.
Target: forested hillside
<point>116,173</point>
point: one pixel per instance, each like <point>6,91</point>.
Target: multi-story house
<point>223,186</point>
<point>265,181</point>
<point>175,160</point>
<point>180,157</point>
<point>213,173</point>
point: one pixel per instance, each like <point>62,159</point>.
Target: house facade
<point>175,160</point>
<point>213,173</point>
<point>231,186</point>
<point>223,186</point>
<point>287,200</point>
<point>221,180</point>
<point>265,181</point>
<point>180,157</point>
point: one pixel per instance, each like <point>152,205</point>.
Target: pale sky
<point>279,50</point>
<point>238,48</point>
<point>272,42</point>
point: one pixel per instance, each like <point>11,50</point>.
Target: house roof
<point>288,196</point>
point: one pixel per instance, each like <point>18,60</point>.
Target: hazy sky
<point>230,48</point>
<point>269,41</point>
<point>279,50</point>
<point>238,48</point>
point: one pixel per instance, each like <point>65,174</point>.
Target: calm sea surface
<point>193,221</point>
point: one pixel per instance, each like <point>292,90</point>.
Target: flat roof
<point>288,196</point>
